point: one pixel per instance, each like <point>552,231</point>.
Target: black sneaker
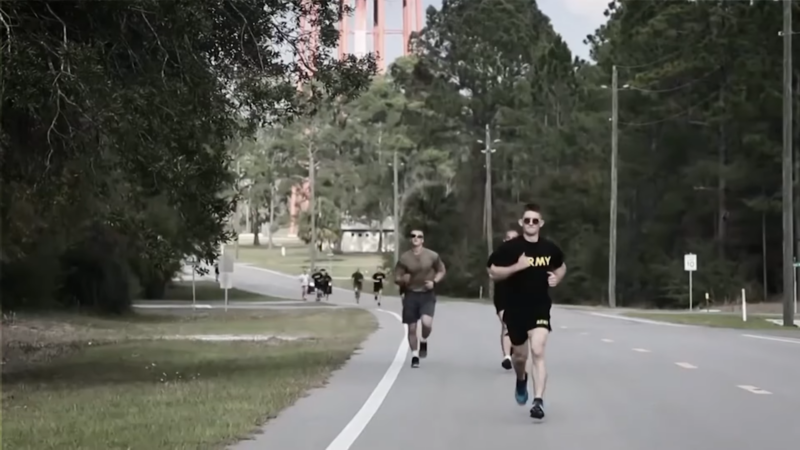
<point>423,349</point>
<point>537,410</point>
<point>414,362</point>
<point>506,363</point>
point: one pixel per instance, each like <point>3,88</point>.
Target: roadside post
<point>744,306</point>
<point>226,274</point>
<point>690,265</point>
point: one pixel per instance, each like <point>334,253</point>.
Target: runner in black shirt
<point>500,306</point>
<point>377,284</point>
<point>358,282</point>
<point>530,265</point>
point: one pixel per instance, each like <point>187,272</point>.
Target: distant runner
<point>417,272</point>
<point>358,282</point>
<point>500,294</point>
<point>304,280</point>
<point>377,284</point>
<point>530,265</point>
<point>327,284</point>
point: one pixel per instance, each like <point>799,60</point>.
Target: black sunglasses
<point>528,221</point>
<point>415,235</point>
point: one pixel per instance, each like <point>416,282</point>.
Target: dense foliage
<point>699,143</point>
<point>117,125</point>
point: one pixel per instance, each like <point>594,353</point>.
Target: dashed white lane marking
<point>563,327</point>
<point>584,333</point>
<point>641,350</point>
<point>775,339</point>
<point>753,389</point>
<point>635,319</point>
<point>350,433</point>
<point>607,340</point>
<point>685,365</point>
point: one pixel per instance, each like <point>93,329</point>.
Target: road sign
<point>226,280</point>
<point>690,262</point>
<point>226,264</point>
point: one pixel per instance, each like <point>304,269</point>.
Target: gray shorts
<point>418,304</point>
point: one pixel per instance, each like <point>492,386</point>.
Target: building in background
<point>363,237</point>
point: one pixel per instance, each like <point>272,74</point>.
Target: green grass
<point>206,291</point>
<point>128,391</point>
<point>716,320</point>
<point>341,267</point>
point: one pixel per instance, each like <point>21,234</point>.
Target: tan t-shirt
<point>422,267</point>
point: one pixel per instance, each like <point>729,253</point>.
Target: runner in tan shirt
<point>417,272</point>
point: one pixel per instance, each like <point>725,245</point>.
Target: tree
<point>116,120</point>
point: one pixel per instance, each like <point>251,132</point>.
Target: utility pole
<point>612,223</point>
<point>487,199</point>
<point>788,183</point>
<point>312,175</point>
<point>396,209</point>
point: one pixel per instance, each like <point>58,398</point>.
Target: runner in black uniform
<point>327,284</point>
<point>500,306</point>
<point>358,282</point>
<point>530,265</point>
<point>377,284</point>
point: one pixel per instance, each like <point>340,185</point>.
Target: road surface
<point>614,385</point>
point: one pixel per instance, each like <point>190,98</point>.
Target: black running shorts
<point>377,287</point>
<point>499,304</point>
<point>519,323</point>
<point>418,304</point>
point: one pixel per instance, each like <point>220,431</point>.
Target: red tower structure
<point>353,31</point>
<point>357,28</point>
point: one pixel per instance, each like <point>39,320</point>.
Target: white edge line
<point>345,439</point>
<point>685,365</point>
<point>641,350</point>
<point>776,339</point>
<point>634,319</point>
<point>754,389</point>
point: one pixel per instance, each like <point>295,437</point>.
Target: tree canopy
<point>118,122</point>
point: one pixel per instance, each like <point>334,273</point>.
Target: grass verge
<point>107,384</point>
<point>208,291</point>
<point>716,320</point>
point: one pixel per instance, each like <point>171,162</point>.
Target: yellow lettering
<point>542,322</point>
<point>539,261</point>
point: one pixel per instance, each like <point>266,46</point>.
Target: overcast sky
<point>572,19</point>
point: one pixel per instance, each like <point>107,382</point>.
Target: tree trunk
<point>271,215</point>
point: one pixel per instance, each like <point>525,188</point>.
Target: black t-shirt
<point>378,277</point>
<point>499,286</point>
<point>317,277</point>
<point>528,288</point>
<point>358,277</point>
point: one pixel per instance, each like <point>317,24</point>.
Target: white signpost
<point>690,265</point>
<point>193,262</point>
<point>226,273</point>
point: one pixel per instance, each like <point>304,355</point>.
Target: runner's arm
<point>559,264</point>
<point>441,270</point>
<point>399,273</point>
<point>502,263</point>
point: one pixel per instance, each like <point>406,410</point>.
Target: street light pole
<point>788,195</point>
<point>487,199</point>
<point>612,223</point>
<point>312,207</point>
<point>396,208</point>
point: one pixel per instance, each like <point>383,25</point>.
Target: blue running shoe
<point>521,391</point>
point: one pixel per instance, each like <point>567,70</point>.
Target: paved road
<point>615,385</point>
